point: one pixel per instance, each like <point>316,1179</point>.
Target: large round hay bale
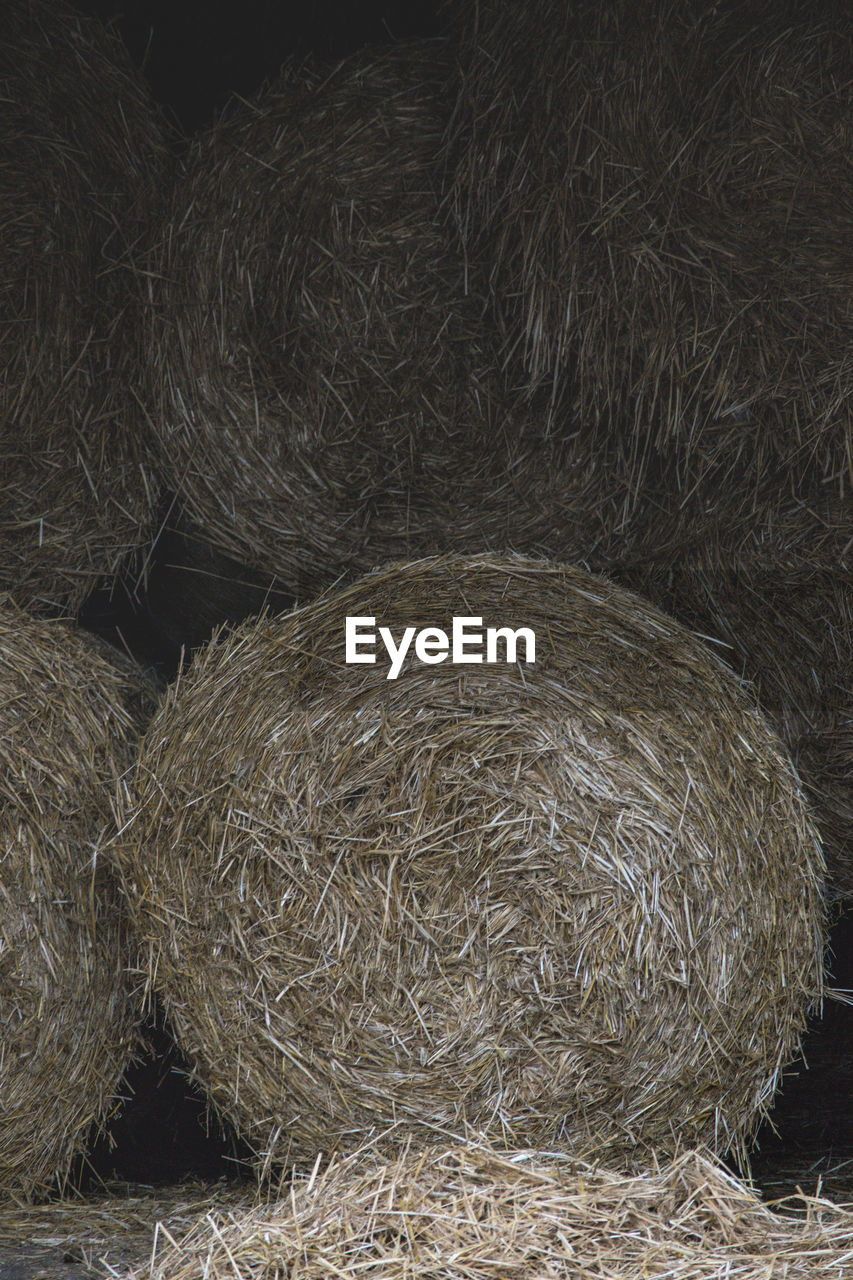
<point>327,396</point>
<point>662,193</point>
<point>575,901</point>
<point>81,160</point>
<point>470,1210</point>
<point>69,721</point>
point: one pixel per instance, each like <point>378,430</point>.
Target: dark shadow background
<point>195,55</point>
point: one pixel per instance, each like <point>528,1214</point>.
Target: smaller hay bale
<point>82,160</point>
<point>326,396</point>
<point>469,1210</point>
<point>662,194</point>
<point>69,721</point>
<point>577,901</point>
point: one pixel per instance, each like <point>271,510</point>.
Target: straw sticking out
<point>772,582</point>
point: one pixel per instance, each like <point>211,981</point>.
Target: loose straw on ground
<point>470,1213</point>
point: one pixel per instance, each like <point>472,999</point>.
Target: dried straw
<point>69,719</point>
<point>577,901</point>
<point>325,392</point>
<point>81,156</point>
<point>470,1213</point>
<point>772,582</point>
<point>663,194</point>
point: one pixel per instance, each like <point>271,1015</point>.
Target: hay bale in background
<point>326,394</point>
<point>470,1210</point>
<point>578,901</point>
<point>663,194</point>
<point>69,720</point>
<point>81,160</point>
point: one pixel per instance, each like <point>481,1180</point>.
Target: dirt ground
<point>30,1262</point>
<point>103,1235</point>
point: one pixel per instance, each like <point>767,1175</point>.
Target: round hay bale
<point>662,193</point>
<point>69,720</point>
<point>470,1210</point>
<point>327,397</point>
<point>81,160</point>
<point>575,901</point>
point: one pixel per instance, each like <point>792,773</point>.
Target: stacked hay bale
<point>772,583</point>
<point>81,161</point>
<point>664,204</point>
<point>470,1210</point>
<point>69,720</point>
<point>664,207</point>
<point>575,901</point>
<point>326,395</point>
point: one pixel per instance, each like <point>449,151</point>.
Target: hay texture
<point>468,1211</point>
<point>770,582</point>
<point>663,194</point>
<point>577,901</point>
<point>69,720</point>
<point>81,159</point>
<point>327,396</point>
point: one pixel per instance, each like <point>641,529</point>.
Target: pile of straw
<point>81,159</point>
<point>325,393</point>
<point>468,1211</point>
<point>576,901</point>
<point>663,194</point>
<point>69,721</point>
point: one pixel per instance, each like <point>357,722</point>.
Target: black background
<point>195,55</point>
